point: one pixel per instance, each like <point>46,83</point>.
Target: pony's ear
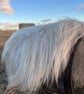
<point>5,7</point>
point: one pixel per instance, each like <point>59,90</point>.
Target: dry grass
<point>4,35</point>
<point>3,80</point>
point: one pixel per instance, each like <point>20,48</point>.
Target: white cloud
<point>6,26</point>
<point>5,7</point>
<point>79,8</point>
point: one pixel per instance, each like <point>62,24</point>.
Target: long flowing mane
<point>33,55</point>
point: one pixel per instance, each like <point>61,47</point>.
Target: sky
<point>35,11</point>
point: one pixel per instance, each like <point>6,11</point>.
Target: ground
<point>3,80</point>
<point>4,35</point>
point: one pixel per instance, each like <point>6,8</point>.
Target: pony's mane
<point>32,55</point>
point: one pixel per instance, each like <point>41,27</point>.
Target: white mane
<point>32,54</point>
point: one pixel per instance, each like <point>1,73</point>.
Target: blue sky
<point>37,10</point>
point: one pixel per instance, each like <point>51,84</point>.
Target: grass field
<point>4,35</point>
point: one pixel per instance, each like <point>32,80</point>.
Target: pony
<point>39,55</point>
